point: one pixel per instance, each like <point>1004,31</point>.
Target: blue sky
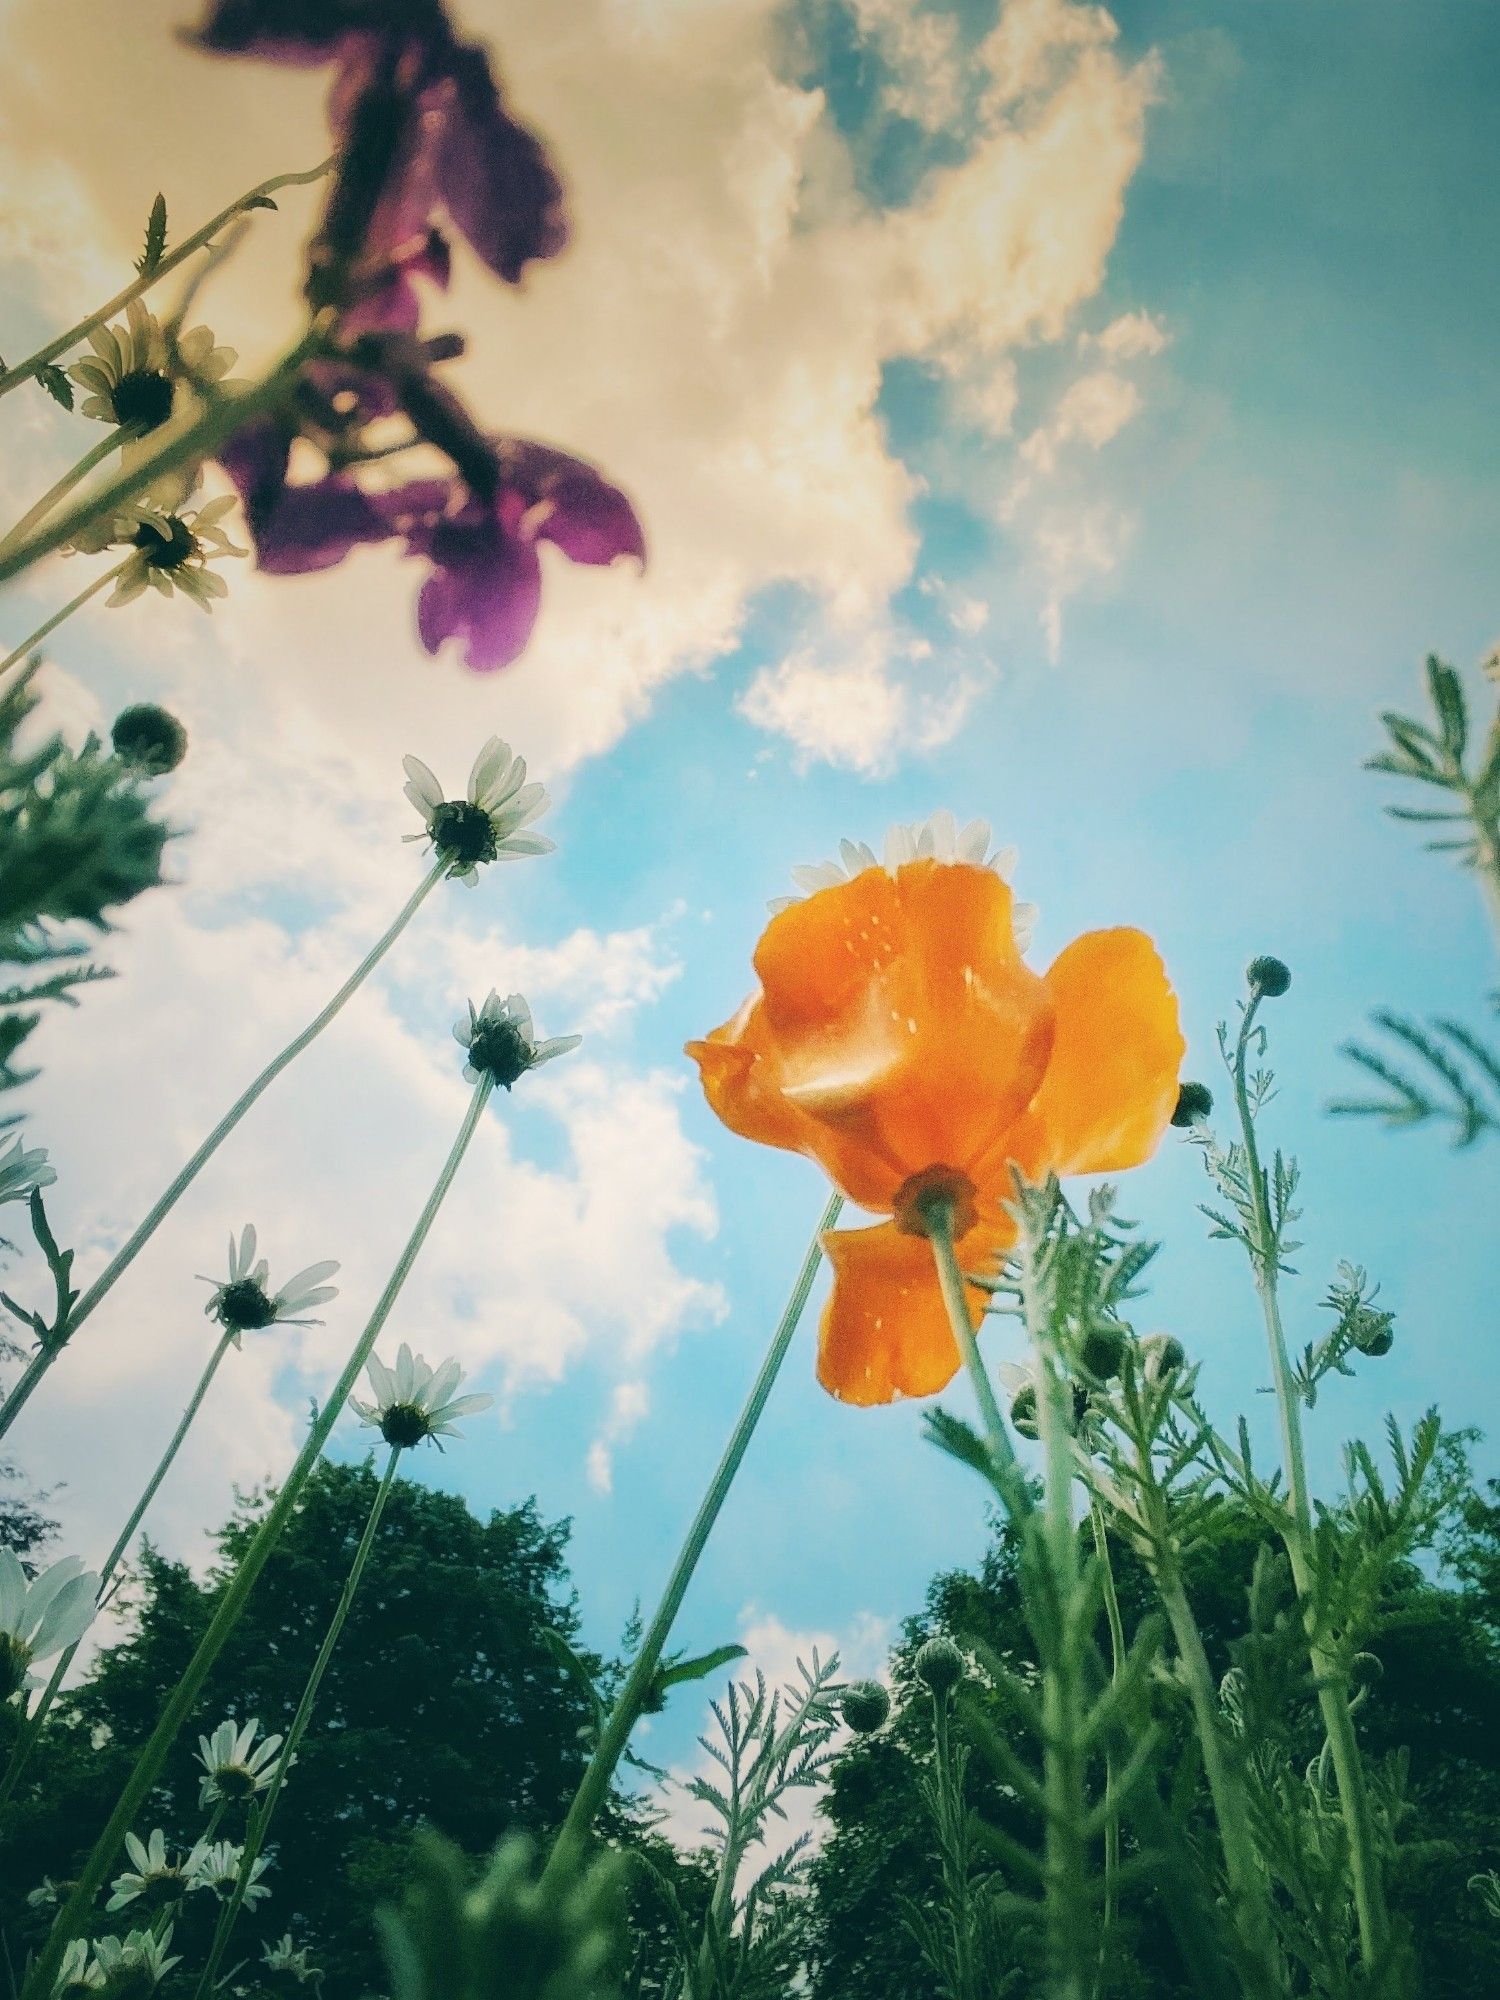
<point>1300,505</point>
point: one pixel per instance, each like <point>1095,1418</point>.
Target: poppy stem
<point>131,1248</point>
<point>258,197</point>
<point>75,1913</point>
<point>633,1696</point>
<point>26,1743</point>
<point>1329,1675</point>
<point>1010,1481</point>
<point>51,624</point>
<point>260,1818</point>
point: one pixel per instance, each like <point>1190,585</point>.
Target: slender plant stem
<point>131,1248</point>
<point>51,624</point>
<point>633,1695</point>
<point>12,378</point>
<point>1333,1700</point>
<point>225,415</point>
<point>75,1913</point>
<point>113,438</point>
<point>26,1743</point>
<point>260,1819</point>
<point>1009,1478</point>
<point>1111,1809</point>
<point>952,1813</point>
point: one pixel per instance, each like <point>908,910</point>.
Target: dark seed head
<point>500,1049</point>
<point>1194,1102</point>
<point>1268,976</point>
<point>404,1424</point>
<point>866,1707</point>
<point>143,398</point>
<point>243,1307</point>
<point>1102,1350</point>
<point>462,834</point>
<point>168,551</point>
<point>150,739</point>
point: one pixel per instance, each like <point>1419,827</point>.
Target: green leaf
<point>258,201</point>
<point>156,238</point>
<point>1447,694</point>
<point>676,1673</point>
<point>57,385</point>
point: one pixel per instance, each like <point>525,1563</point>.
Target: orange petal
<point>885,1330</point>
<point>1111,1084</point>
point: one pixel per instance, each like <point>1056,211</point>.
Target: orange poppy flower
<point>897,1030</point>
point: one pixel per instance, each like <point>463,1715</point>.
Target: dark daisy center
<point>502,1050</point>
<point>14,1660</point>
<point>234,1782</point>
<point>404,1424</point>
<point>162,1891</point>
<point>142,398</point>
<point>132,1979</point>
<point>243,1307</point>
<point>462,833</point>
<point>165,551</point>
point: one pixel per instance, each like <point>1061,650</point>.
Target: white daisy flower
<point>291,1960</point>
<point>154,1877</point>
<point>22,1170</point>
<point>48,1895</point>
<point>243,1302</point>
<point>501,1040</point>
<point>490,823</point>
<point>77,1976</point>
<point>171,550</point>
<point>413,1401</point>
<point>235,1766</point>
<point>938,838</point>
<point>127,1963</point>
<point>133,376</point>
<point>218,1870</point>
<point>41,1615</point>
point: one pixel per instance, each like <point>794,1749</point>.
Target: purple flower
<point>422,125</point>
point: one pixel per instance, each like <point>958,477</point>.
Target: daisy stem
<point>12,378</point>
<point>75,1913</point>
<point>26,1743</point>
<point>632,1698</point>
<point>95,455</point>
<point>1111,1811</point>
<point>260,1819</point>
<point>131,1248</point>
<point>1297,1533</point>
<point>225,415</point>
<point>51,624</point>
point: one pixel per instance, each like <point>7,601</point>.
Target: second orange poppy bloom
<point>897,1029</point>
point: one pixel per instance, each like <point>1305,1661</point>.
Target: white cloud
<point>856,704</point>
<point>1075,548</point>
<point>1132,337</point>
<point>923,54</point>
<point>628,1406</point>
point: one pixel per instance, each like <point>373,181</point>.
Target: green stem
<point>75,1914</point>
<point>632,1696</point>
<point>125,1256</point>
<point>260,1822</point>
<point>1297,1533</point>
<point>225,415</point>
<point>95,455</point>
<point>953,1849</point>
<point>1009,1478</point>
<point>1116,1664</point>
<point>12,378</point>
<point>51,624</point>
<point>26,1743</point>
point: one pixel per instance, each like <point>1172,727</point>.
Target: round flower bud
<point>1268,976</point>
<point>1365,1669</point>
<point>1161,1355</point>
<point>940,1665</point>
<point>1194,1102</point>
<point>866,1707</point>
<point>1102,1351</point>
<point>150,739</point>
<point>1373,1333</point>
<point>1023,1411</point>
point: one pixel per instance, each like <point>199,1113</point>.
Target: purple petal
<point>493,174</point>
<point>305,32</point>
<point>256,460</point>
<point>485,588</point>
<point>316,526</point>
<point>587,518</point>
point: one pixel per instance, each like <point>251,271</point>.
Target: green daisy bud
<point>1365,1669</point>
<point>1268,976</point>
<point>1161,1354</point>
<point>939,1665</point>
<point>150,739</point>
<point>1102,1350</point>
<point>1373,1333</point>
<point>1194,1102</point>
<point>866,1707</point>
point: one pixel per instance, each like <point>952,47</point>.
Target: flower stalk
<point>125,1256</point>
<point>633,1696</point>
<point>1117,1651</point>
<point>1297,1533</point>
<point>50,625</point>
<point>95,455</point>
<point>262,1814</point>
<point>257,197</point>
<point>75,1913</point>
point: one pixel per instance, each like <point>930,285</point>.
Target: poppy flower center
<point>142,398</point>
<point>244,1308</point>
<point>463,833</point>
<point>165,551</point>
<point>403,1424</point>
